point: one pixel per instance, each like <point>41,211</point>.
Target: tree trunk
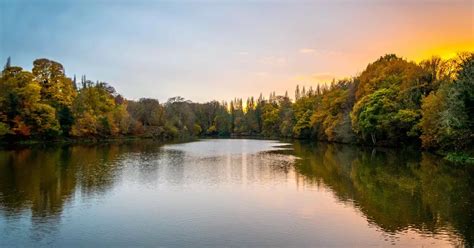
<point>372,135</point>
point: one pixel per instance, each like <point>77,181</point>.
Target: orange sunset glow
<point>306,43</point>
<point>257,123</point>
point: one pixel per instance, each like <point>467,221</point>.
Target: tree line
<point>392,102</point>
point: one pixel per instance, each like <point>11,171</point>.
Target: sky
<point>206,50</point>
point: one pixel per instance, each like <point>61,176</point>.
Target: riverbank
<point>458,158</point>
<point>88,141</point>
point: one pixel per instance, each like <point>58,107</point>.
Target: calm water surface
<point>232,192</point>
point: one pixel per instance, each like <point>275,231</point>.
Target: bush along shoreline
<point>393,102</point>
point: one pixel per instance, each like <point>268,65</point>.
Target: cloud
<point>307,50</point>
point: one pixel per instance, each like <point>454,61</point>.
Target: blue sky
<point>205,50</point>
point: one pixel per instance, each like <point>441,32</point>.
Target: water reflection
<point>399,193</point>
<point>396,190</point>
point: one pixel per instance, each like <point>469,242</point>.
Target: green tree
<point>251,120</point>
<point>374,114</point>
<point>447,121</point>
<point>286,117</point>
<point>222,122</point>
<point>93,111</point>
<point>270,120</point>
<point>331,118</point>
<point>302,128</point>
<point>179,114</point>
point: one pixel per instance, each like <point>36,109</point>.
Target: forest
<point>393,102</point>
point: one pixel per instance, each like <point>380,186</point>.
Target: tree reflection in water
<point>395,190</point>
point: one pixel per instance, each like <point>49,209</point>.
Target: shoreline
<point>455,157</point>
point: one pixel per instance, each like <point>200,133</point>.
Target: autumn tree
<point>286,116</point>
<point>57,90</point>
<point>21,110</point>
<point>96,112</point>
<point>331,117</point>
<point>448,113</point>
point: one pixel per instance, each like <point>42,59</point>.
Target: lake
<point>233,193</point>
